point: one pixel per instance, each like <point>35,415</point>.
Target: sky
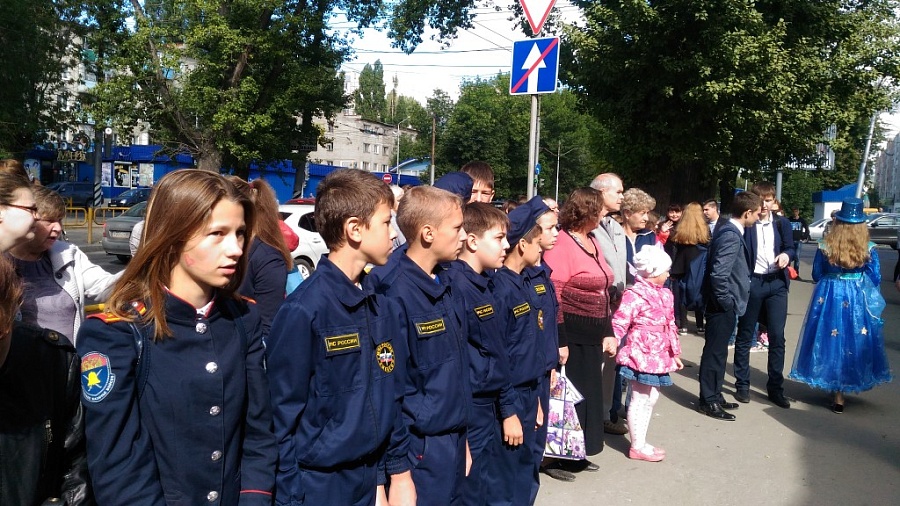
<point>481,52</point>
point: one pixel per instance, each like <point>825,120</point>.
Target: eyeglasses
<point>31,209</point>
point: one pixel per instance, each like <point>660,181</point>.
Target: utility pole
<point>433,130</point>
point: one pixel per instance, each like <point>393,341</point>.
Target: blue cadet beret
<point>523,218</point>
<point>459,183</point>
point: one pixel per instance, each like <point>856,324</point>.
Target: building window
<point>365,165</point>
<point>329,146</point>
<point>386,150</point>
<point>383,168</point>
<point>366,147</point>
<point>377,148</point>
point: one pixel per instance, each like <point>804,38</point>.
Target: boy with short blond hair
<point>435,395</point>
<point>335,362</point>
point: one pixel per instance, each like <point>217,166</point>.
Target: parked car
<point>817,229</point>
<point>300,218</point>
<point>130,197</point>
<point>80,194</point>
<point>117,231</point>
<point>883,228</point>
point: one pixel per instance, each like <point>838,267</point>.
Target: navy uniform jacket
<point>335,371</point>
<point>515,294</point>
<point>544,299</point>
<point>484,325</point>
<point>265,281</point>
<point>436,392</point>
<point>200,432</point>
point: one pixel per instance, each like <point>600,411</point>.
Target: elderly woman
<point>636,207</point>
<point>582,280</point>
<point>690,239</point>
<point>58,276</point>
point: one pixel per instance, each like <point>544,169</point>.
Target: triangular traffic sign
<point>536,11</point>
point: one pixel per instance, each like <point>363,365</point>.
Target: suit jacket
<point>611,238</point>
<point>784,243</point>
<point>726,282</point>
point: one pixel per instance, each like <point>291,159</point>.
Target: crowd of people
<point>415,365</point>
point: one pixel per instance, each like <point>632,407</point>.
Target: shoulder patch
<point>540,289</point>
<point>106,317</point>
<point>484,311</point>
<point>97,378</point>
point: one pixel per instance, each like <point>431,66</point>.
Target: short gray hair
<point>635,199</point>
<point>605,181</point>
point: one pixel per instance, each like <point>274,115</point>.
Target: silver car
<point>117,231</point>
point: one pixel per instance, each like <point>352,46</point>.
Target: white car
<point>300,219</point>
<point>817,229</point>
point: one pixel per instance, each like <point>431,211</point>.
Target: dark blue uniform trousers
<point>511,481</point>
<point>719,325</point>
<point>440,468</point>
<point>769,297</point>
<point>485,437</point>
<point>540,435</point>
<point>351,485</point>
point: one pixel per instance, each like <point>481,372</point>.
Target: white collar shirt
<point>765,246</point>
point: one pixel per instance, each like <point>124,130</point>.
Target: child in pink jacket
<point>651,351</point>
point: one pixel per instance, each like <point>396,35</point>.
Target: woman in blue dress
<point>841,346</point>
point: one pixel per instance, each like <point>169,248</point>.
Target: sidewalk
<point>805,455</point>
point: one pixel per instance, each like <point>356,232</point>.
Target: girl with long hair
<point>173,381</point>
<point>690,240</point>
<point>269,260</point>
<point>841,346</point>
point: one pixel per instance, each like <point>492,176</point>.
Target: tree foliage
<point>692,90</point>
<point>369,99</point>
<point>37,40</point>
<point>239,82</point>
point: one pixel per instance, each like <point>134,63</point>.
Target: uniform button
<point>212,496</point>
<point>215,410</point>
<point>53,336</point>
<point>58,275</point>
<point>201,328</point>
<point>212,367</point>
<point>216,455</point>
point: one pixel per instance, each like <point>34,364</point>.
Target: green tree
<point>369,100</point>
<point>692,90</point>
<point>239,82</point>
<point>37,37</point>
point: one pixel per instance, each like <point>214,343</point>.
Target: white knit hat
<point>651,261</point>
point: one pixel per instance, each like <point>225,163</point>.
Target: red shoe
<point>651,457</point>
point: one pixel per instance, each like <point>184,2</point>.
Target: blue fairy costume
<point>841,346</point>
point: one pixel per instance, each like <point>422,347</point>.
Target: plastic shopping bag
<point>565,437</point>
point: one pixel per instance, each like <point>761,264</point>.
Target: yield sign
<point>537,11</point>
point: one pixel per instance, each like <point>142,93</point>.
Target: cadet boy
<point>492,395</point>
<point>334,357</point>
<point>436,394</point>
<point>544,300</point>
<point>482,180</point>
<point>517,467</point>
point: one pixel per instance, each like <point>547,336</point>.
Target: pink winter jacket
<point>647,317</point>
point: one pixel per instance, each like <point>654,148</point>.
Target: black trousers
<point>769,297</point>
<point>719,325</point>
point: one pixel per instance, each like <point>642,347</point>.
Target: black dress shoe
<point>715,410</point>
<point>729,405</point>
<point>742,396</point>
<point>779,400</point>
<point>556,473</point>
<point>577,466</point>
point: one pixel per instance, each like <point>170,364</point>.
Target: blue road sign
<point>535,66</point>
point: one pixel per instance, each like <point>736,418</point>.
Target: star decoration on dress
<point>846,304</point>
<point>834,333</point>
<point>821,300</point>
<point>864,331</point>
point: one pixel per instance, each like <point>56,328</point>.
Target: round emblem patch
<point>97,378</point>
<point>541,319</point>
<point>384,354</point>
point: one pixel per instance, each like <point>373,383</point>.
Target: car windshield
<point>127,193</point>
<point>136,211</point>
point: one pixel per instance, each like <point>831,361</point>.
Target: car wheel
<point>305,267</point>
<point>124,258</point>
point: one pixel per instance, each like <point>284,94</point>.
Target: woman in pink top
<point>651,350</point>
<point>582,280</point>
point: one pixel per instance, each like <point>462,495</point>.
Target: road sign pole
<point>532,142</point>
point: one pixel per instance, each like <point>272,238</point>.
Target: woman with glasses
<point>17,209</point>
<point>58,275</point>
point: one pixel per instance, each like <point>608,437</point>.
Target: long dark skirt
<point>583,369</point>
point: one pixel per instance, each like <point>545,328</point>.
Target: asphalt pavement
<point>805,455</point>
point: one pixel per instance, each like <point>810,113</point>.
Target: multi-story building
<point>360,143</point>
<point>887,175</point>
